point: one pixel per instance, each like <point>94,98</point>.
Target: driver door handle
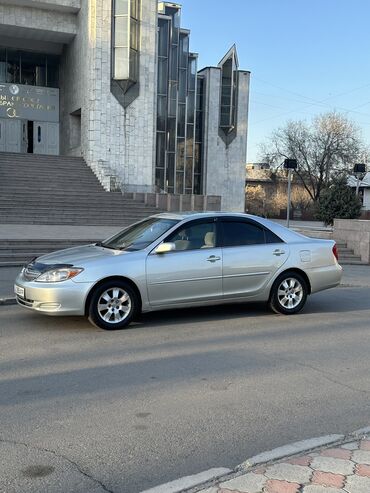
<point>213,258</point>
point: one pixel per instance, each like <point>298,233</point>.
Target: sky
<point>306,57</point>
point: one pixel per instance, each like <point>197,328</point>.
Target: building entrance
<point>29,136</point>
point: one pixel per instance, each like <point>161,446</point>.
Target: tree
<point>330,144</point>
<point>338,201</point>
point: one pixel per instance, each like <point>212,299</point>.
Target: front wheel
<point>288,294</point>
<point>113,305</point>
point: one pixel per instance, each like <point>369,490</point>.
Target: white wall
<point>225,165</point>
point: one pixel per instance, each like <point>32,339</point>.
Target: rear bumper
<point>324,277</point>
<point>66,298</point>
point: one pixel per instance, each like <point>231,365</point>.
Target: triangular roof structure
<point>232,52</point>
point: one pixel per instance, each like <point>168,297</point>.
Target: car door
<point>190,274</point>
<point>251,257</point>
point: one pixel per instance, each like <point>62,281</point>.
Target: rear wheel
<point>288,294</point>
<point>113,305</point>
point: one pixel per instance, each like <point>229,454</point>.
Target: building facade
<point>114,81</point>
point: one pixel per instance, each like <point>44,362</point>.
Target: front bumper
<point>64,298</point>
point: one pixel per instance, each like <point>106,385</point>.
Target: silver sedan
<point>180,260</point>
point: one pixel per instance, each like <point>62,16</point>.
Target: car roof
<point>284,233</point>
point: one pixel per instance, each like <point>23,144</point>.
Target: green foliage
<point>338,201</point>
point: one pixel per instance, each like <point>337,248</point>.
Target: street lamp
<point>358,170</point>
<point>290,165</point>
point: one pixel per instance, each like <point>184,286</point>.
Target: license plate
<point>19,291</point>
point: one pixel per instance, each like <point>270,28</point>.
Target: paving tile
<point>357,484</point>
<point>276,486</point>
<point>314,488</point>
<point>289,472</point>
<point>330,464</point>
<point>363,470</point>
<point>247,483</point>
<point>365,445</point>
<point>361,457</point>
<point>328,479</point>
<point>337,453</point>
<point>350,446</point>
<point>304,460</point>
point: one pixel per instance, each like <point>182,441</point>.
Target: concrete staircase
<point>37,189</point>
<point>347,256</point>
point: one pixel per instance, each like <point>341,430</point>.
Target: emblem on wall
<point>14,89</point>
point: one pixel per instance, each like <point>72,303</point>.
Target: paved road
<point>84,410</point>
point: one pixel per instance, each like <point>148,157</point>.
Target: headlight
<point>59,275</point>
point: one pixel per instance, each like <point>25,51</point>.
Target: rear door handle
<point>213,258</point>
<point>278,252</point>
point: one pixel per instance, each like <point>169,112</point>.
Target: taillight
<point>335,252</point>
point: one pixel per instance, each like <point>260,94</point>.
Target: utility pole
<point>290,165</point>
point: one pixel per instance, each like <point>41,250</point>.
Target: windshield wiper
<point>101,244</point>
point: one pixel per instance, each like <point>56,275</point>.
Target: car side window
<point>272,237</point>
<point>242,233</point>
<point>194,236</point>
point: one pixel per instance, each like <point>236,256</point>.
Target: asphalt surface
<point>83,410</point>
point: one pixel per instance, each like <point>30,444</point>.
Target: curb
<point>207,479</point>
<point>7,301</point>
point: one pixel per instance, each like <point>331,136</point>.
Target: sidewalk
<point>343,467</point>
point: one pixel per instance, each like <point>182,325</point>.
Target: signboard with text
<point>29,102</point>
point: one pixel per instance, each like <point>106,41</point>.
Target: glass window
<point>194,236</point>
<point>191,107</point>
<point>242,233</point>
<point>163,38</point>
<point>161,149</point>
<point>162,75</point>
<point>134,9</point>
<point>161,113</point>
<point>121,31</point>
<point>134,34</point>
<point>171,129</point>
<point>184,50</point>
<point>159,178</point>
<point>171,170</point>
<point>2,65</point>
<point>180,160</point>
<point>134,65</point>
<point>33,69</point>
<point>139,235</point>
<point>182,85</point>
<point>189,173</point>
<point>121,7</point>
<point>181,120</point>
<point>13,69</point>
<point>272,237</point>
<point>180,182</point>
<point>121,66</point>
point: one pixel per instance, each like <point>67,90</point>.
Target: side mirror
<point>165,248</point>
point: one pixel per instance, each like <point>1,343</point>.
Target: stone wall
<point>114,141</point>
<point>224,166</point>
<point>356,234</point>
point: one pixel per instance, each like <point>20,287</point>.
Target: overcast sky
<point>306,56</point>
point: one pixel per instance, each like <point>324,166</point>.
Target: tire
<point>288,294</point>
<point>113,305</point>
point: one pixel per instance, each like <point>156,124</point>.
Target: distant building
<point>116,83</point>
<point>364,189</point>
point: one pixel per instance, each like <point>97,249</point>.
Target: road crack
<point>59,456</point>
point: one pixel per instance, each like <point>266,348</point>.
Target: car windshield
<point>140,235</point>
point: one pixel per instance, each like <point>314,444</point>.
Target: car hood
<point>78,256</point>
